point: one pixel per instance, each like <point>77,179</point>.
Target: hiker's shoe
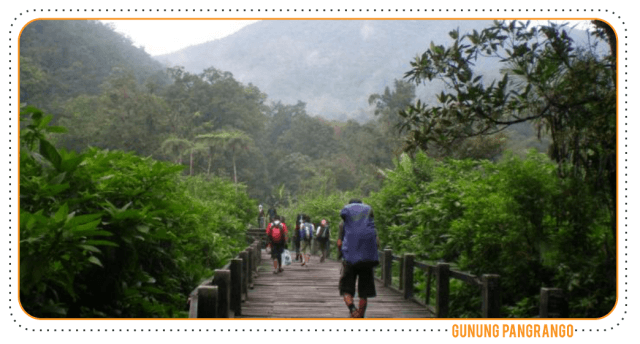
<point>355,314</point>
<point>359,313</point>
<point>303,263</point>
<point>275,272</point>
<point>280,270</point>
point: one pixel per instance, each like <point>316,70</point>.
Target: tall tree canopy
<point>568,91</point>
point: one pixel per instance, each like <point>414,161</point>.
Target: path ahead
<point>312,292</point>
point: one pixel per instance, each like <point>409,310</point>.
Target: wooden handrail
<point>221,295</point>
<point>489,284</point>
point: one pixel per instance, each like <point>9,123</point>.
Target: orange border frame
<point>394,319</point>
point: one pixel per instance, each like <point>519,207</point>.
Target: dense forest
<point>136,180</point>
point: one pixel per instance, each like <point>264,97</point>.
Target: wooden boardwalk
<point>312,292</point>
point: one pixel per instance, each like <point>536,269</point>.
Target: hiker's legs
<point>305,247</point>
<point>276,255</point>
<point>347,286</point>
<point>279,250</point>
<point>348,300</point>
<point>323,250</point>
<point>366,288</point>
<point>362,307</point>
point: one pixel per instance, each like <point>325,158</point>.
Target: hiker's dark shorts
<point>363,273</point>
<point>297,245</point>
<point>276,250</point>
<point>323,244</point>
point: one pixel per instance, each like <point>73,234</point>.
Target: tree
<point>567,91</point>
<point>211,141</point>
<point>233,140</point>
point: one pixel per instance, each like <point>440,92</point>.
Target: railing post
<point>428,291</point>
<point>408,275</point>
<point>207,302</point>
<point>245,276</point>
<point>256,256</point>
<point>259,255</point>
<point>490,296</point>
<point>222,279</point>
<point>442,290</point>
<point>401,275</point>
<point>553,304</point>
<point>386,267</point>
<point>250,263</point>
<point>236,285</point>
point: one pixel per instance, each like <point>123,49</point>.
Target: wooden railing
<point>552,301</point>
<point>221,296</point>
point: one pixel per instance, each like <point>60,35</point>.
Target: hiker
<point>277,236</point>
<point>272,214</point>
<point>358,243</point>
<point>322,237</point>
<point>296,236</point>
<point>261,217</point>
<point>306,235</point>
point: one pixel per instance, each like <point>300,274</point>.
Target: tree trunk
<point>191,163</point>
<point>235,177</point>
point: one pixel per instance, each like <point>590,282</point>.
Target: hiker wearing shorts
<point>358,245</point>
<point>306,235</point>
<point>277,236</point>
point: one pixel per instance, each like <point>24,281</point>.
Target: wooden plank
<point>312,292</point>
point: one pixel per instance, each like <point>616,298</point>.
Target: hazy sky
<point>166,36</point>
<point>160,37</point>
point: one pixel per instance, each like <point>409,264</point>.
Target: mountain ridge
<point>331,65</point>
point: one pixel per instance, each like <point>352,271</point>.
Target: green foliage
<point>61,59</point>
<point>122,116</point>
<point>319,206</point>
<point>112,234</point>
<point>514,218</point>
<point>568,92</point>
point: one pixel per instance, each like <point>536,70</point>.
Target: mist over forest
<point>465,158</point>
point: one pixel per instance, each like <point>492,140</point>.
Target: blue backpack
<point>306,233</point>
<point>360,238</point>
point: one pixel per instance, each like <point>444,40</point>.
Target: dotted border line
<point>346,11</point>
<point>325,10</point>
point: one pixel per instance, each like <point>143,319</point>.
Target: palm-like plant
<point>232,140</point>
<point>211,142</point>
<point>178,147</point>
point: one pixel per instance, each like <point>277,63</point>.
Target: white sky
<point>166,36</point>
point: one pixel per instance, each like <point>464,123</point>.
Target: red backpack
<point>276,233</point>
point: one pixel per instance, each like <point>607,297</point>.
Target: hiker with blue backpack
<point>358,244</point>
<point>306,235</point>
<point>277,236</point>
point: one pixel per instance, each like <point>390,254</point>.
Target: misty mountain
<point>332,65</point>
